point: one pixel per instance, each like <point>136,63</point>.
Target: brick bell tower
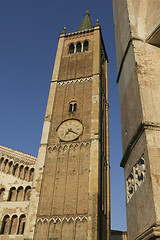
<point>71,189</point>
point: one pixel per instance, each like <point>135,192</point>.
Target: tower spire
<point>86,22</point>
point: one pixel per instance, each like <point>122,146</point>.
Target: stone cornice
<point>19,156</point>
<point>80,32</point>
<point>135,138</point>
<point>152,233</point>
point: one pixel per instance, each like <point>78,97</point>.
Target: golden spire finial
<point>64,30</point>
<point>97,22</point>
<point>87,12</point>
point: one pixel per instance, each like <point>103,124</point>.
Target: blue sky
<point>28,43</point>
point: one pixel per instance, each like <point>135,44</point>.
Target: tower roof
<point>86,23</point>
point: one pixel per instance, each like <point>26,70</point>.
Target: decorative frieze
<point>135,178</point>
<point>62,219</point>
<point>60,83</point>
<point>79,32</point>
<point>67,146</point>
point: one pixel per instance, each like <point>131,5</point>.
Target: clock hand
<point>66,133</point>
<point>73,131</point>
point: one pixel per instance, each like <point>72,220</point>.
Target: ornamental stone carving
<point>62,219</point>
<point>135,178</point>
<point>60,83</point>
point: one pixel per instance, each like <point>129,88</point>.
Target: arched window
<point>4,163</point>
<point>19,194</point>
<point>10,167</point>
<point>72,106</point>
<point>71,48</point>
<point>85,46</point>
<point>14,225</point>
<point>2,190</point>
<point>6,170</point>
<point>31,174</point>
<point>26,173</point>
<point>1,163</point>
<point>21,171</point>
<point>15,170</point>
<point>27,193</point>
<point>78,47</point>
<point>5,225</point>
<point>12,194</point>
<point>21,226</point>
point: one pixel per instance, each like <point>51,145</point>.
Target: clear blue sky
<point>29,36</point>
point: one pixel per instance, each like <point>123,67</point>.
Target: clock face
<point>70,130</point>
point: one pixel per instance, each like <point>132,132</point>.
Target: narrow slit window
<point>71,48</point>
<point>78,47</point>
<point>21,226</point>
<point>72,106</point>
<point>5,225</point>
<point>85,46</point>
<point>2,190</point>
<point>12,194</point>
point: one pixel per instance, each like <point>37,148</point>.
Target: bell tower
<point>71,189</point>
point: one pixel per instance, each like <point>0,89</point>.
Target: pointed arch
<point>71,219</point>
<point>71,147</point>
<point>49,149</point>
<point>60,149</point>
<point>39,220</point>
<point>76,146</point>
<point>54,148</point>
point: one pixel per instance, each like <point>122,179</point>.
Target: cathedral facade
<point>16,175</point>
